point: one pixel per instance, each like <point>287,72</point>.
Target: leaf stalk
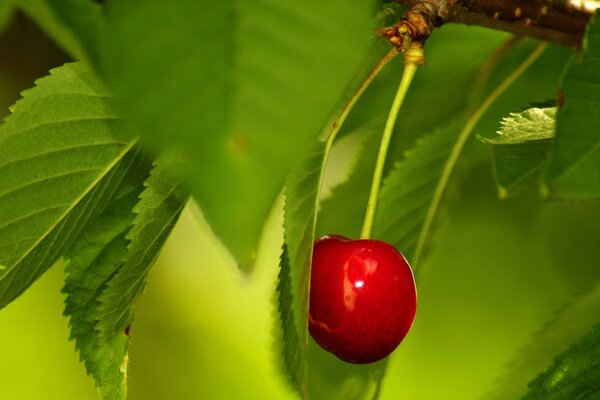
<point>460,144</point>
<point>339,121</point>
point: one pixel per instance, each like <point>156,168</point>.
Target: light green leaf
<point>300,211</point>
<point>574,374</point>
<point>157,212</point>
<point>521,151</point>
<point>569,323</point>
<point>62,158</point>
<point>529,125</point>
<point>92,262</point>
<point>344,157</point>
<point>408,191</point>
<point>238,90</point>
<point>75,25</point>
<point>574,170</point>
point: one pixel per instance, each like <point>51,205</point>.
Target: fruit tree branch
<point>558,21</point>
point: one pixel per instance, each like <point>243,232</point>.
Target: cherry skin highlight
<point>362,298</point>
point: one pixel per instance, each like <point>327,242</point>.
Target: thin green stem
<point>337,124</point>
<point>488,66</point>
<point>409,71</point>
<point>339,121</point>
<point>460,144</point>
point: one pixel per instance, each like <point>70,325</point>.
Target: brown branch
<point>554,21</point>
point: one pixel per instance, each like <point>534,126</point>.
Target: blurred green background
<point>497,271</point>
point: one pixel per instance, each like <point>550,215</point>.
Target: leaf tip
<point>482,139</point>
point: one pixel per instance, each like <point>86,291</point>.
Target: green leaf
<point>574,170</point>
<point>304,189</point>
<point>328,377</point>
<point>444,84</point>
<point>569,323</point>
<point>574,374</point>
<point>520,152</point>
<point>408,190</point>
<point>413,192</point>
<point>238,90</point>
<point>300,211</point>
<point>92,262</point>
<point>526,126</point>
<point>157,212</point>
<point>332,379</point>
<point>62,158</point>
<point>343,159</point>
<point>6,13</point>
<point>288,342</point>
<point>75,25</point>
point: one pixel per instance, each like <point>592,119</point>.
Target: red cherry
<point>362,298</point>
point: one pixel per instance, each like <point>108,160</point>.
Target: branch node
<point>414,54</point>
<point>416,24</point>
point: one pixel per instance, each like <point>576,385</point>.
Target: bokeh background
<point>496,272</point>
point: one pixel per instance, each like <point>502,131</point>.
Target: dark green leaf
<point>412,194</point>
<point>6,13</point>
<point>574,170</point>
<point>408,191</point>
<point>157,212</point>
<point>288,342</point>
<point>92,262</point>
<point>75,25</point>
<point>443,86</point>
<point>574,374</point>
<point>237,90</point>
<point>332,379</point>
<point>568,324</point>
<point>521,151</point>
<point>62,158</point>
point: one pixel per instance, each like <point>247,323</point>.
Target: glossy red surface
<point>362,298</point>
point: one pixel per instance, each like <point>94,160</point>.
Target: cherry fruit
<point>362,298</point>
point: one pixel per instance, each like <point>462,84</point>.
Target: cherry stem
<point>413,57</point>
<point>339,121</point>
